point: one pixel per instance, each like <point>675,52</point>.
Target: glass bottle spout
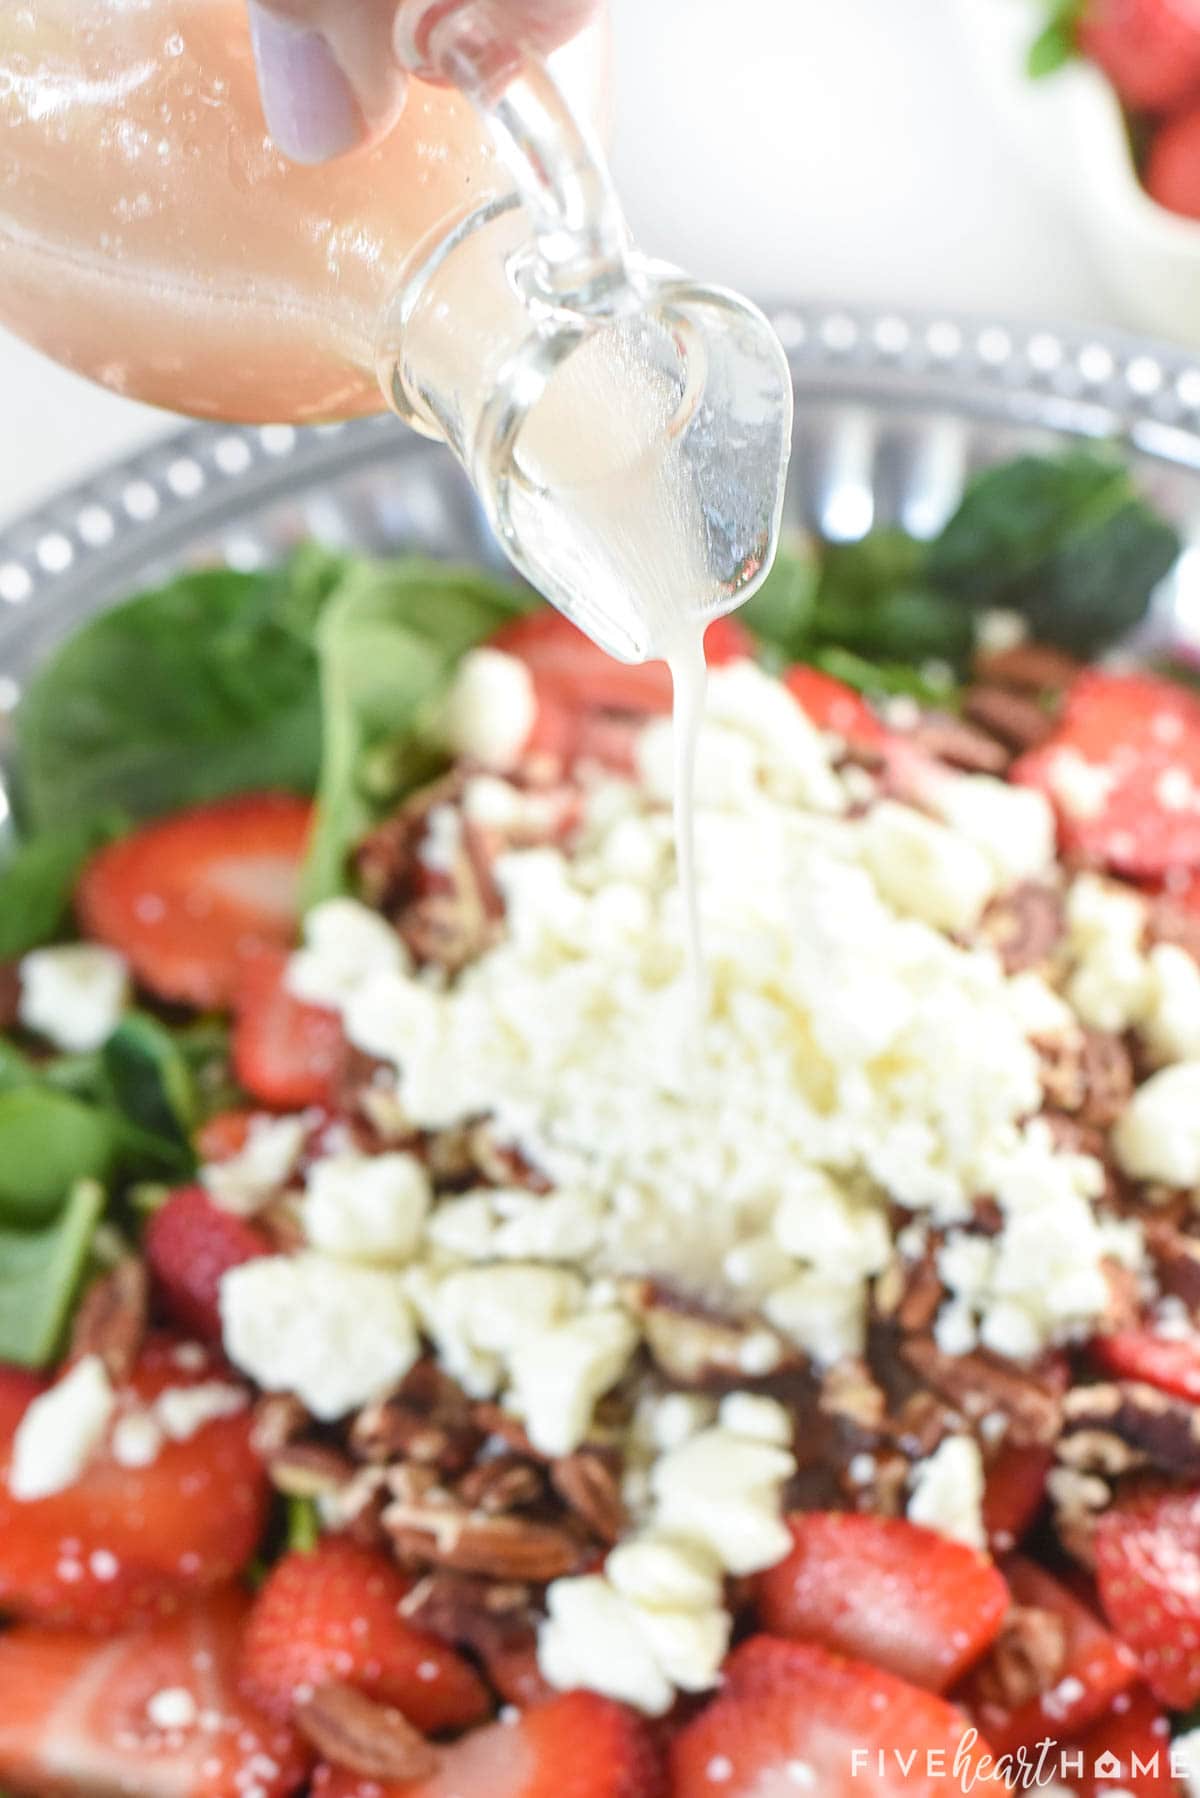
<point>627,428</point>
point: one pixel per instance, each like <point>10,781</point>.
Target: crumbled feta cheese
<point>367,1208</point>
<point>999,629</point>
<point>491,709</point>
<point>335,1334</point>
<point>756,1418</point>
<point>1170,1027</point>
<point>1111,985</point>
<point>1012,826</point>
<point>947,1493</point>
<point>823,1315</point>
<point>136,1439</point>
<point>1158,1137</point>
<point>73,994</point>
<point>591,1640</point>
<point>666,1573</point>
<point>259,1172</point>
<point>346,945</point>
<point>925,870</point>
<point>479,1317</point>
<point>723,1490</point>
<point>182,1411</point>
<point>817,1222</point>
<point>61,1431</point>
<point>558,1374</point>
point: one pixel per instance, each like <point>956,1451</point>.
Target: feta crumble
<point>368,1208</point>
<point>73,995</point>
<point>61,1431</point>
<point>491,708</point>
<point>947,1491</point>
<point>258,1173</point>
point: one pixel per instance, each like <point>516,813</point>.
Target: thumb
<point>327,73</point>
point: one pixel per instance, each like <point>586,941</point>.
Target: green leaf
<point>48,1142</point>
<point>1066,541</point>
<point>40,1272</point>
<point>388,642</point>
<point>198,689</point>
<point>883,679</point>
<point>15,1069</point>
<point>38,878</point>
<point>780,613</point>
<point>1050,50</point>
<point>149,1077</point>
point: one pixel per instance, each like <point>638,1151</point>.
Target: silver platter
<point>894,411</point>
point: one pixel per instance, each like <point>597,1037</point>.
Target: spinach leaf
<point>38,878</point>
<point>149,1077</point>
<point>48,1141</point>
<point>388,642</point>
<point>1056,43</point>
<point>780,613</point>
<point>198,689</point>
<point>40,1272</point>
<point>1066,541</point>
<point>303,1525</point>
<point>15,1069</point>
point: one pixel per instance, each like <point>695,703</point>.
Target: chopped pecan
<point>10,994</point>
<point>1024,926</point>
<point>588,1484</point>
<point>504,1548</point>
<point>1088,1074</point>
<point>507,1483</point>
<point>386,861</point>
<point>279,1418</point>
<point>111,1320</point>
<point>1176,1260</point>
<point>1027,1658</point>
<point>495,1422</point>
<point>498,1623</point>
<point>359,1506</point>
<point>923,1421</point>
<point>427,1419</point>
<point>1077,1500</point>
<point>977,1384</point>
<point>447,930</point>
<point>352,1730</point>
<point>309,1469</point>
<point>502,1162</point>
<point>1018,721</point>
<point>695,1347</point>
<point>960,744</point>
<point>909,1292</point>
<point>1118,1426</point>
<point>851,1395</point>
<point>1029,667</point>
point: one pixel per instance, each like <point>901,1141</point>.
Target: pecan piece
<point>111,1320</point>
<point>695,1347</point>
<point>506,1483</point>
<point>960,744</point>
<point>1088,1074</point>
<point>352,1730</point>
<point>279,1418</point>
<point>588,1485</point>
<point>1024,926</point>
<point>309,1469</point>
<point>1018,721</point>
<point>1027,1658</point>
<point>1118,1426</point>
<point>908,1293</point>
<point>1030,667</point>
<point>504,1548</point>
<point>977,1384</point>
<point>498,1623</point>
<point>10,994</point>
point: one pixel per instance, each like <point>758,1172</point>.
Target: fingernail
<point>308,103</point>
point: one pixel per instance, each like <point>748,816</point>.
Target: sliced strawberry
<point>225,1135</point>
<point>1171,1364</point>
<point>285,1053</point>
<point>567,665</point>
<point>186,898</point>
<point>1172,172</point>
<point>1149,49</point>
<point>1013,1495</point>
<point>189,1244</point>
<point>1122,770</point>
<point>1128,1751</point>
<point>846,1726</point>
<point>832,705</point>
<point>573,1746</point>
<point>880,1588</point>
<point>1093,1669</point>
<point>125,1540</point>
<point>153,1711</point>
<point>335,1614</point>
<point>1148,1574</point>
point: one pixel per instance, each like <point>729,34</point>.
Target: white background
<point>837,149</point>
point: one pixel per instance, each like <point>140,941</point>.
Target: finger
<point>327,73</point>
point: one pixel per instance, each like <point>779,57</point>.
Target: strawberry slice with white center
<point>574,1746</point>
<point>187,898</point>
<point>151,1711</point>
<point>794,1718</point>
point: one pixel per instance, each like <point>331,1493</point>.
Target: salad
<point>442,1355</point>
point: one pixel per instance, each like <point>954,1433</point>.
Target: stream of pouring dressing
<point>610,497</point>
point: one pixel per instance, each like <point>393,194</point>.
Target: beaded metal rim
<point>1067,379</point>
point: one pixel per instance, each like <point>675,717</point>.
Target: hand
<point>332,72</point>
